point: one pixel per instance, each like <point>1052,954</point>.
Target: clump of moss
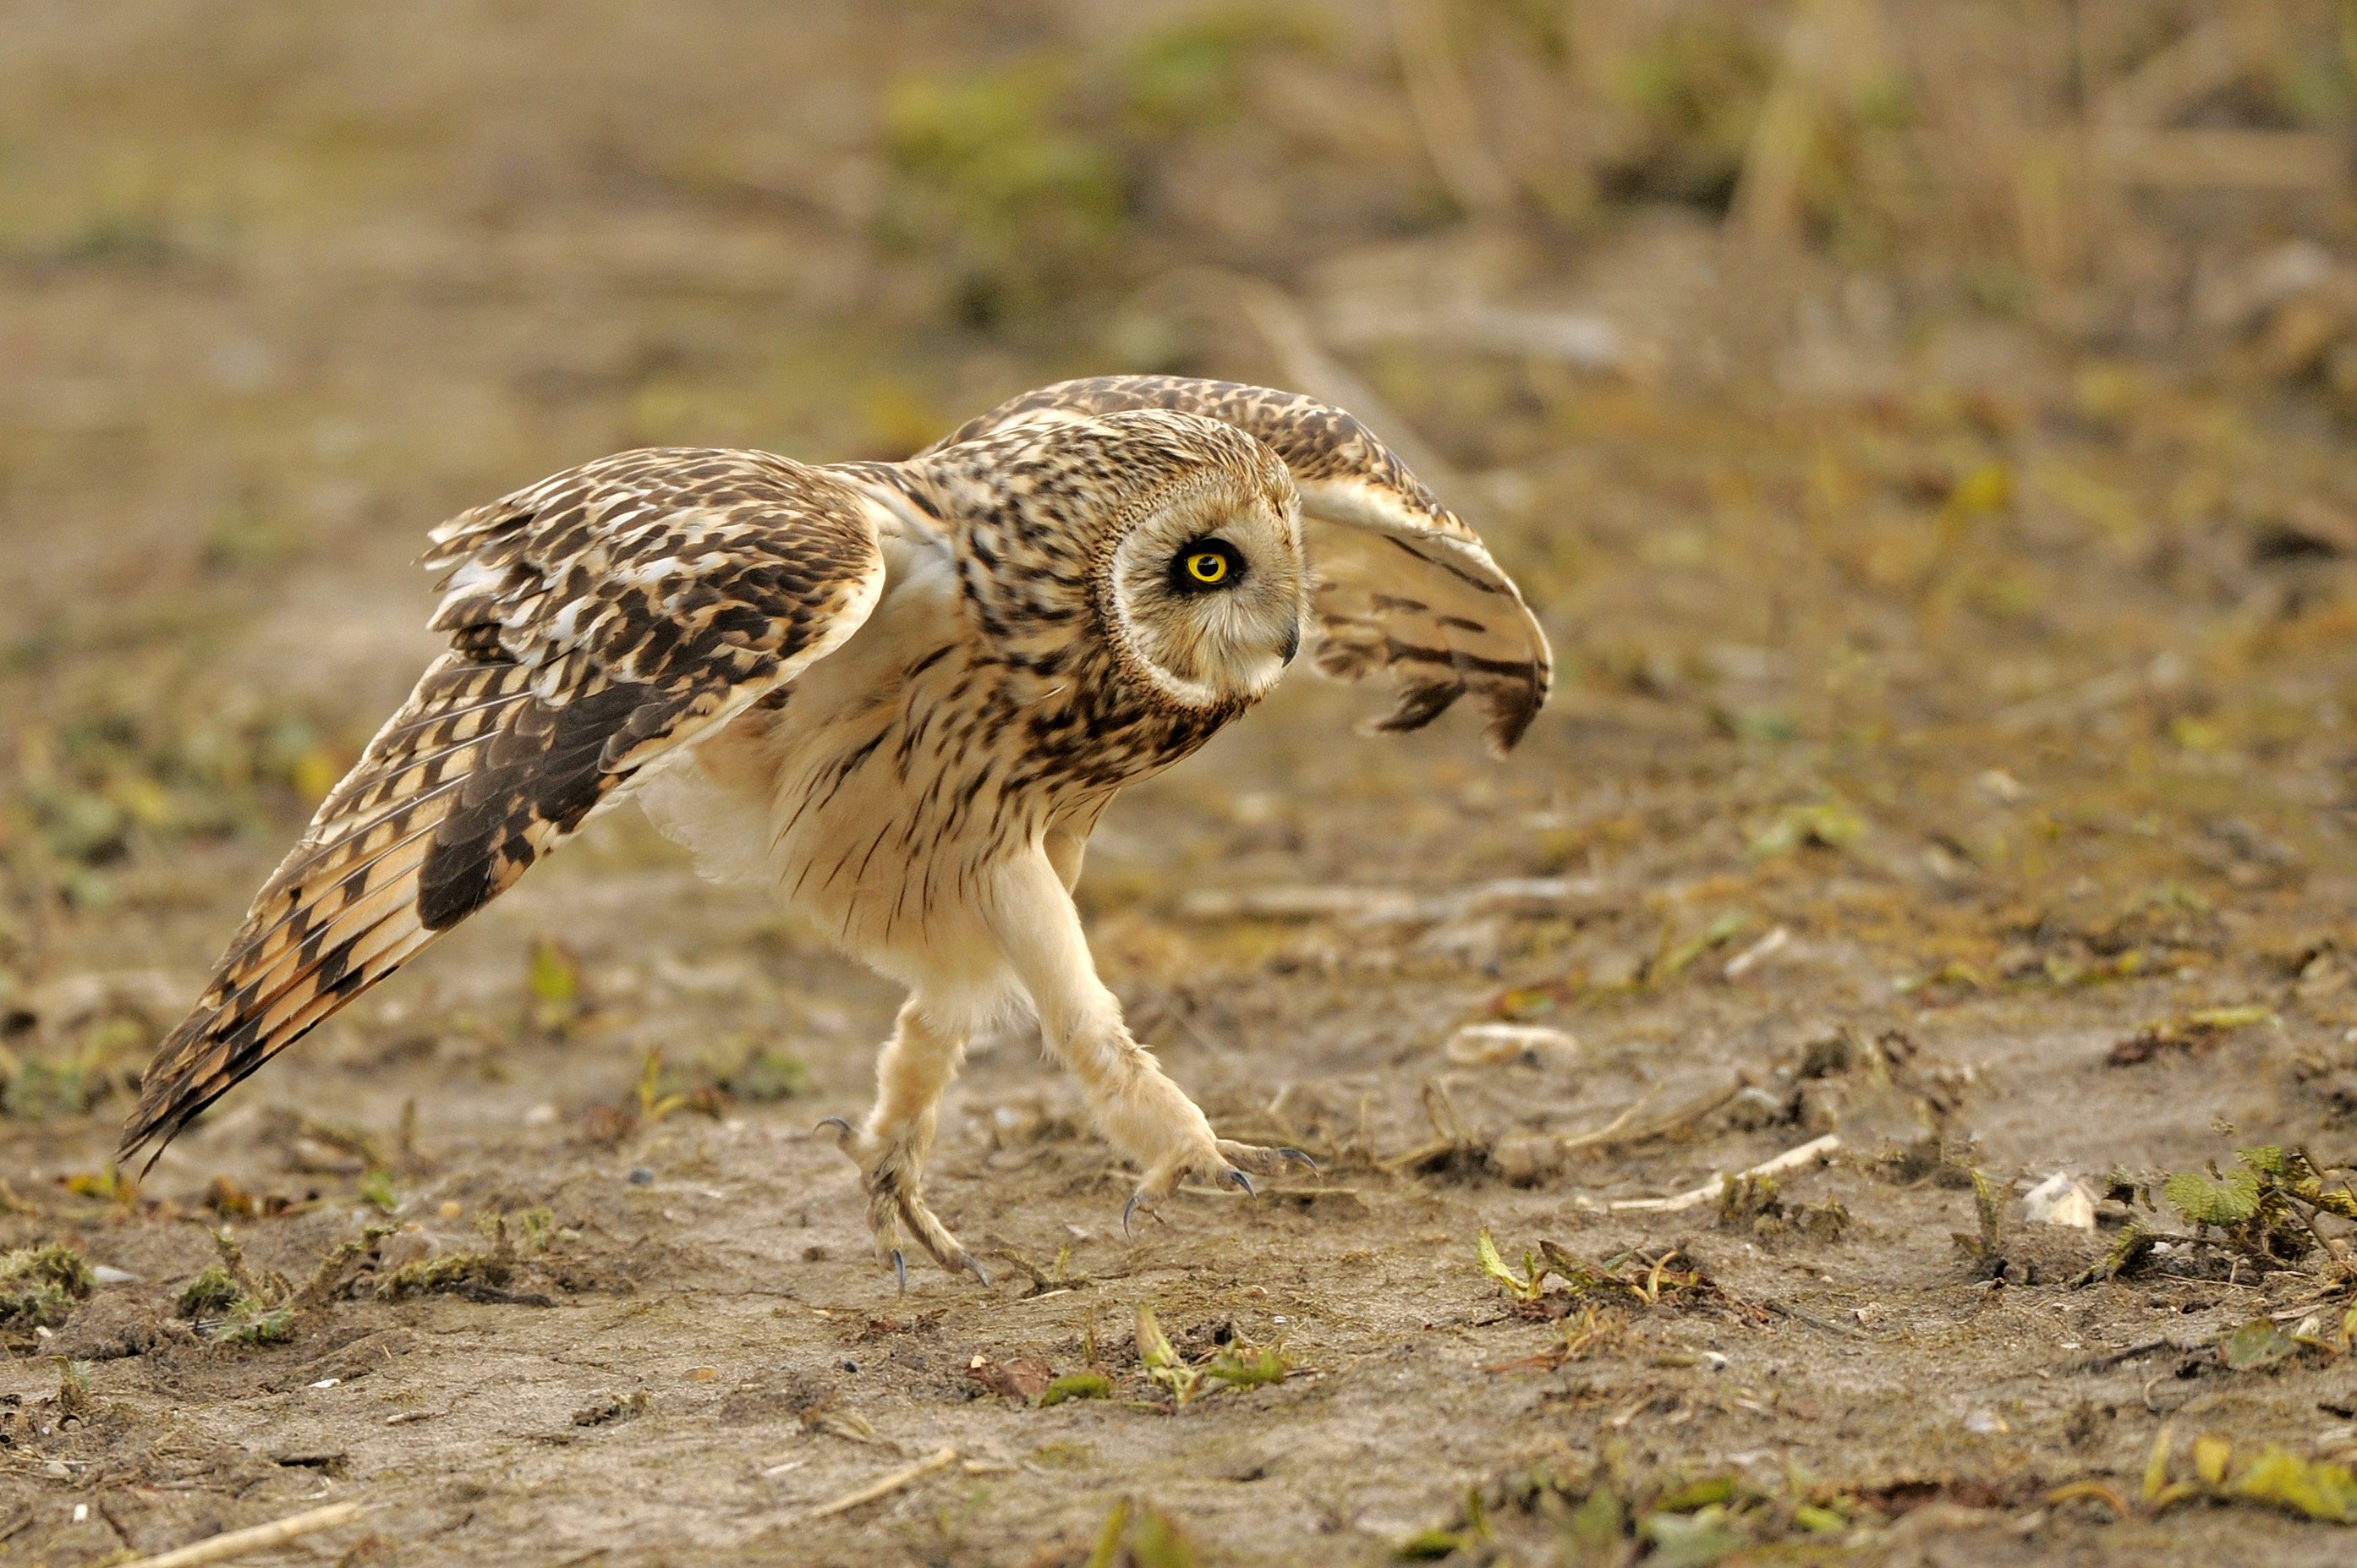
<point>450,1272</point>
<point>1077,1386</point>
<point>252,1322</point>
<point>1755,1203</point>
<point>38,1285</point>
<point>210,1295</point>
<point>230,1305</point>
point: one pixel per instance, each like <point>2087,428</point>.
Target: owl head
<point>1204,590</point>
<point>1183,534</point>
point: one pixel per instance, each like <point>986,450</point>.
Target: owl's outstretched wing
<point>598,620</point>
<point>1403,585</point>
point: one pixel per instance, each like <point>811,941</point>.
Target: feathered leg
<point>912,1072</point>
<point>1140,1111</point>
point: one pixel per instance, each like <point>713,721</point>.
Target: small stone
<point>1495,1045</point>
<point>408,1245</point>
<point>1756,1108</point>
<point>641,1176</point>
<point>2059,1201</point>
<point>1525,1159</point>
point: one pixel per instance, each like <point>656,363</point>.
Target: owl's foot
<point>891,1171</point>
<point>1224,1163</point>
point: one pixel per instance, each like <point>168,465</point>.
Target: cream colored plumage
<point>902,693</point>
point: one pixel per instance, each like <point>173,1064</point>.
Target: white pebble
<point>2060,1200</point>
<point>1492,1045</point>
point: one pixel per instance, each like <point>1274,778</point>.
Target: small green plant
<point>1162,1361</point>
<point>766,1075</point>
<point>251,1309</point>
<point>539,1228</point>
<point>378,1192</point>
<point>2267,1208</point>
<point>1237,1365</point>
<point>1134,1535</point>
<point>33,1089</point>
<point>250,1322</point>
<point>73,1390</point>
<point>2272,1477</point>
<point>328,1278</point>
<point>1525,1287</point>
<point>553,981</point>
<point>1077,1386</point>
<point>2127,1252</point>
<point>210,1295</point>
<point>1242,1366</point>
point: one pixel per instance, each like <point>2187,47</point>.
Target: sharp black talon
<point>1297,1155</point>
<point>1237,1178</point>
<point>1127,1210</point>
<point>900,1267</point>
<point>841,1129</point>
<point>977,1273</point>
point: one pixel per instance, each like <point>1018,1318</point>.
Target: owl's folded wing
<point>598,620</point>
<point>1403,585</point>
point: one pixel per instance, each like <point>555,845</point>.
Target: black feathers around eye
<point>1206,566</point>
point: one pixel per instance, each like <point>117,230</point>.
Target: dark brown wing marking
<point>1403,585</point>
<point>596,620</point>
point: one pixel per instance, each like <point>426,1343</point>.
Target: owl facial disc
<point>1209,593</point>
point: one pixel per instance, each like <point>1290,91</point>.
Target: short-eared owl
<point>903,693</point>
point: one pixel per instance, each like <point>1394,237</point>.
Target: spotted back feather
<point>598,620</point>
<point>1403,585</point>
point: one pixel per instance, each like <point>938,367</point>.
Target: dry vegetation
<point>1923,425</point>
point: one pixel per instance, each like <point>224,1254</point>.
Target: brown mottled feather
<point>1403,585</point>
<point>597,619</point>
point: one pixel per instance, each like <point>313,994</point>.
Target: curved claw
<point>901,1268</point>
<point>843,1133</point>
<point>1237,1178</point>
<point>1128,1210</point>
<point>978,1273</point>
<point>1298,1155</point>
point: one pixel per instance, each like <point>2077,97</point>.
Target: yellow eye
<point>1206,567</point>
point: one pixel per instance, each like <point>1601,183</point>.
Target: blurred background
<point>1920,422</point>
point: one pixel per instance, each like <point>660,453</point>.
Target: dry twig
<point>258,1538</point>
<point>939,1460</point>
<point>1619,1131</point>
<point>1791,1159</point>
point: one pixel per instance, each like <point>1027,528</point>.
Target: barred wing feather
<point>598,620</point>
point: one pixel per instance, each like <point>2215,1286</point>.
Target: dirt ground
<point>1951,756</point>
